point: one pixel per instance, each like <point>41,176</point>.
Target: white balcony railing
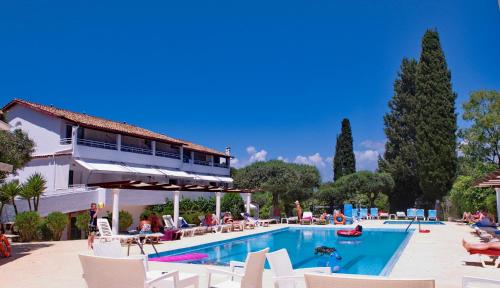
<point>136,150</point>
<point>97,144</point>
<point>167,154</point>
<point>65,141</point>
<point>221,165</point>
<point>202,162</point>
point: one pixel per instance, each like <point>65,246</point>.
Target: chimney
<point>228,151</point>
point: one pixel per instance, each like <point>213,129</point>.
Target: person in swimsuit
<point>299,210</point>
<point>92,224</point>
<point>481,246</point>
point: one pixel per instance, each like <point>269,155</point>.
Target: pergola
<point>492,180</point>
<point>117,186</point>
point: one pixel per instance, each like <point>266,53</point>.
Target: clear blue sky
<point>274,75</point>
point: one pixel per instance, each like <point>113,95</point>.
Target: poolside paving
<point>437,255</point>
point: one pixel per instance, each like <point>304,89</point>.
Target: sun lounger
<point>348,213</point>
<point>169,224</point>
<point>401,214</point>
<point>242,274</point>
<point>287,220</point>
<point>374,213</point>
<point>411,213</point>
<point>474,282</point>
<point>307,217</point>
<point>197,230</point>
<point>355,281</point>
<point>432,215</point>
<point>419,214</point>
<point>383,215</point>
<point>284,274</point>
<point>106,233</point>
<point>363,213</point>
<point>495,254</point>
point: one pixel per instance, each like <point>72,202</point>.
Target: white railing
<point>76,188</point>
<point>168,154</point>
<point>97,144</point>
<point>136,150</point>
<point>202,162</point>
<point>221,165</point>
<point>65,141</point>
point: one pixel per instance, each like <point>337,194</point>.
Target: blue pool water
<point>406,222</point>
<point>373,253</point>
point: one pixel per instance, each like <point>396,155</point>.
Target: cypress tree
<point>400,156</point>
<point>344,162</point>
<point>436,123</point>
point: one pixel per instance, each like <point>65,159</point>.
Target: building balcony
<point>96,144</point>
<point>202,162</point>
<point>221,165</point>
<point>168,154</point>
<point>137,150</point>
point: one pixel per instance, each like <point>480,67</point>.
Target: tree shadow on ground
<point>20,250</point>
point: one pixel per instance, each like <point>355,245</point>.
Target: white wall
<point>44,130</point>
<point>55,170</point>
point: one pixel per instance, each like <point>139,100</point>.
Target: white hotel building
<point>75,151</point>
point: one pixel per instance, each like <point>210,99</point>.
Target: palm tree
<point>10,191</point>
<point>35,186</point>
<point>25,193</point>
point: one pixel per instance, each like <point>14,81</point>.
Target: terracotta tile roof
<point>108,125</point>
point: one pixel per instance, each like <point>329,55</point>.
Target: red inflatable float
<point>356,232</point>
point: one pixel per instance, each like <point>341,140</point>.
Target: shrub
<point>56,222</point>
<point>82,222</point>
<point>125,220</point>
<point>27,223</point>
<point>232,202</point>
<point>43,231</point>
<point>145,214</point>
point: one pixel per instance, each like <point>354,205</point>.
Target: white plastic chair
<point>401,214</point>
<point>253,268</point>
<point>307,217</point>
<point>113,249</point>
<point>474,282</point>
<point>352,281</point>
<point>169,224</point>
<point>105,272</point>
<point>284,274</point>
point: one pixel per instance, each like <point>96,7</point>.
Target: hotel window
<point>70,177</point>
<point>69,130</point>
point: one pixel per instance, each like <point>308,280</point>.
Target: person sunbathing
<point>481,246</point>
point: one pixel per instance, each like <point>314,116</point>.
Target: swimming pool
<point>373,253</point>
<point>407,222</point>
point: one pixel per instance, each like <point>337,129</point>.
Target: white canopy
<point>103,166</point>
<point>129,168</point>
<point>175,173</point>
<point>225,179</point>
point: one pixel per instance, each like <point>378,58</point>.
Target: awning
<point>144,170</point>
<point>103,166</point>
<point>175,173</point>
<point>225,179</point>
<point>206,178</point>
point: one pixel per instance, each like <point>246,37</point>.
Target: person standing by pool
<point>299,210</point>
<point>92,224</point>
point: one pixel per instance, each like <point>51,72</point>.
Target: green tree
<point>400,156</point>
<point>481,140</point>
<point>364,187</point>
<point>15,149</point>
<point>10,191</point>
<point>467,198</point>
<point>436,123</point>
<point>56,222</point>
<point>286,182</point>
<point>232,202</point>
<point>344,162</point>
